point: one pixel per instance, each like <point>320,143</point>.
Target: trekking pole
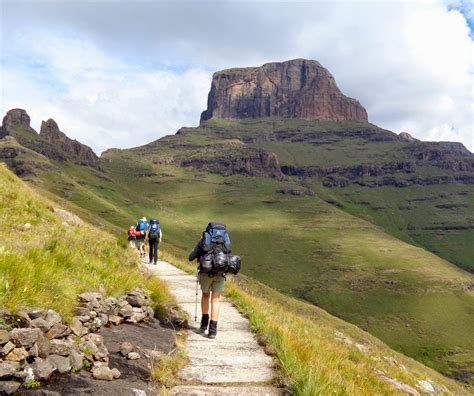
<point>196,302</point>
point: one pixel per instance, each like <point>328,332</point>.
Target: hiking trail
<point>233,363</point>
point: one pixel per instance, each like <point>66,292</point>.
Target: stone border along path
<point>233,363</point>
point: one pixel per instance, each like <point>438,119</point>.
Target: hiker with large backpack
<point>213,254</point>
<point>140,231</point>
<point>154,238</point>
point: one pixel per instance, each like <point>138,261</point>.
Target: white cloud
<point>97,99</point>
<point>409,63</point>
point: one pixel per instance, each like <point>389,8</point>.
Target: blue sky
<point>121,74</point>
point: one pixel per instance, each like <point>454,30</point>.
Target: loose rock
<point>42,368</point>
<point>125,348</point>
<point>105,373</point>
<point>76,360</point>
<point>4,337</point>
<point>78,328</point>
<point>116,373</point>
<point>33,351</point>
<point>8,387</point>
<point>7,369</point>
<point>44,346</point>
<point>53,317</point>
<point>61,364</point>
<point>7,348</point>
<point>25,337</point>
<point>136,317</point>
<point>126,311</point>
<point>135,300</point>
<point>61,347</point>
<point>116,320</point>
<point>133,356</point>
<point>17,355</point>
<point>89,296</point>
<point>42,324</point>
<point>36,313</point>
<point>58,330</point>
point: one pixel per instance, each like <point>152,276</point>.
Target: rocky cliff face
<point>456,147</point>
<point>51,142</point>
<point>297,88</point>
<point>75,152</point>
<point>15,118</point>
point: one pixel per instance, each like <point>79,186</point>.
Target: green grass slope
<point>47,263</point>
<point>432,205</point>
<point>308,247</point>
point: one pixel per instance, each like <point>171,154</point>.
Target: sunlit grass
<point>48,262</point>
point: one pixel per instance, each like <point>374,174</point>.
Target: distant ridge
<point>50,142</point>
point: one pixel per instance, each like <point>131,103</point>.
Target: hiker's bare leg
<point>215,305</point>
<point>205,302</point>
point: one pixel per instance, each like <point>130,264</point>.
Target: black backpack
<point>217,245</point>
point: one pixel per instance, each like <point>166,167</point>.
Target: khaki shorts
<point>211,283</point>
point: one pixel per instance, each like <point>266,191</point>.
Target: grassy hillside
<point>307,246</point>
<point>46,262</point>
<point>419,192</point>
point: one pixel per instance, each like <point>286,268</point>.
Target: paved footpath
<point>231,364</point>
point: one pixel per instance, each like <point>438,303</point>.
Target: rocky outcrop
<point>407,137</point>
<point>72,149</point>
<point>456,147</point>
<point>296,88</point>
<point>16,118</point>
<point>250,163</point>
<point>51,142</point>
<point>45,344</point>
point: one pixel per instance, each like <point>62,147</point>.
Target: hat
<point>143,218</point>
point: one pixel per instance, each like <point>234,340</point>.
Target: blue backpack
<point>141,226</point>
<point>154,230</point>
<point>216,238</point>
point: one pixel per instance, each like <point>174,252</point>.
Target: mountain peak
<point>296,88</point>
<point>16,118</point>
<point>74,150</point>
<point>50,129</point>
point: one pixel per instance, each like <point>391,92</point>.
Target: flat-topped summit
<point>297,88</point>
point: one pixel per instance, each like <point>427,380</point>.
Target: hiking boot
<point>155,262</point>
<point>204,323</point>
<point>212,329</point>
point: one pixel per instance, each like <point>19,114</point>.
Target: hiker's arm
<point>195,253</point>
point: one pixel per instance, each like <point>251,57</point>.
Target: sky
<point>124,73</point>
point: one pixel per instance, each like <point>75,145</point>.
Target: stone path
<point>233,363</point>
